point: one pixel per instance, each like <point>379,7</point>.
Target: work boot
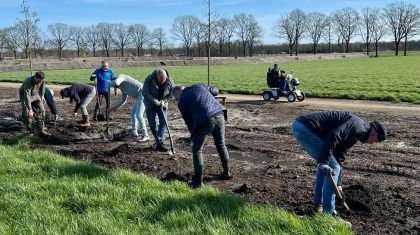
<point>85,121</point>
<point>317,208</point>
<point>40,130</point>
<point>95,118</point>
<point>196,182</point>
<point>225,175</point>
<point>161,147</point>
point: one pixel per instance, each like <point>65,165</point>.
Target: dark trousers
<point>216,127</point>
<point>50,101</point>
<point>101,95</point>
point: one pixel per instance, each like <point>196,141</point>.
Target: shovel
<point>170,137</point>
<point>337,192</point>
<point>107,134</point>
<point>100,115</point>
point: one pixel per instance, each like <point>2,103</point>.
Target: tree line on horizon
<point>240,35</point>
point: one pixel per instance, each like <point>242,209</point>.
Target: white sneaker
<point>144,138</point>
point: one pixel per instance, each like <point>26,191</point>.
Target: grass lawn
<point>388,78</point>
<point>44,193</point>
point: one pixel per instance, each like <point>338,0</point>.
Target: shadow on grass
<point>80,169</point>
<point>203,203</point>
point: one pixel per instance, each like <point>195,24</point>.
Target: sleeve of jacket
<point>213,90</point>
<point>120,103</point>
<point>336,137</point>
<point>91,78</point>
<point>26,94</point>
<point>147,87</point>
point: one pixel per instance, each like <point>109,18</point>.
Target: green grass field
<point>44,193</point>
<point>387,78</point>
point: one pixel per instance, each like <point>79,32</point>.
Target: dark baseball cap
<point>380,129</point>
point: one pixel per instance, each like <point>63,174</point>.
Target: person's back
<point>128,85</point>
<point>197,103</point>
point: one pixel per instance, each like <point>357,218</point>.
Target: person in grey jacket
<point>131,87</point>
<point>156,92</point>
<point>203,115</point>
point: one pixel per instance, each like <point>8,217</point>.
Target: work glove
<point>325,169</point>
<point>161,104</point>
<point>92,77</point>
<point>30,113</point>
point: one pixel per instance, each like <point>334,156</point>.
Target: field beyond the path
<point>387,78</point>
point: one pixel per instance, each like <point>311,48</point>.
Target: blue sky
<point>161,13</point>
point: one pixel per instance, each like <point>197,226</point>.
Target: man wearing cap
<point>326,137</point>
<point>31,95</point>
<point>83,95</point>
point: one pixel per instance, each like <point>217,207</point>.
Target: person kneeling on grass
<point>203,115</point>
<point>83,95</point>
<point>326,137</point>
<point>131,87</point>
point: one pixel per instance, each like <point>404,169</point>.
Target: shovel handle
<point>337,192</point>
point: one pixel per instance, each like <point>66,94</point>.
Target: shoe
<point>134,136</point>
<point>161,147</point>
<point>44,134</point>
<point>95,118</point>
<point>196,182</point>
<point>225,175</point>
<point>144,138</point>
<point>317,208</point>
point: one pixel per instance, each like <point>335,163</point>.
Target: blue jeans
<point>312,143</point>
<point>137,112</point>
<point>158,132</point>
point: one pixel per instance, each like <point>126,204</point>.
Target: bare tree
<point>12,37</point>
<point>230,31</point>
<point>92,38</point>
<point>160,39</point>
<point>60,35</point>
<point>221,30</point>
<point>402,20</point>
<point>105,36</point>
<point>77,37</point>
<point>39,46</point>
<point>366,25</point>
<point>378,28</point>
<point>2,43</point>
<point>255,34</point>
<point>347,21</point>
<point>317,24</point>
<point>299,19</point>
<point>284,28</point>
<point>200,36</point>
<point>328,32</point>
<point>140,36</point>
<point>122,34</point>
<point>411,25</point>
<point>183,28</point>
<point>28,27</point>
<point>242,22</point>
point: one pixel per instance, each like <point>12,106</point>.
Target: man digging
<point>31,95</point>
<point>203,115</point>
<point>326,137</point>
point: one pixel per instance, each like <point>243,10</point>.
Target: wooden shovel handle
<point>337,192</point>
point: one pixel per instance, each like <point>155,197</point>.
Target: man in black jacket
<point>83,95</point>
<point>326,137</point>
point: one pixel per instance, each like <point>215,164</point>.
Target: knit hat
<point>380,129</point>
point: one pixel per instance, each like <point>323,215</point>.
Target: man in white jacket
<point>131,87</point>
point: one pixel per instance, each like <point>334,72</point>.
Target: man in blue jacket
<point>326,137</point>
<point>203,115</point>
<point>102,75</point>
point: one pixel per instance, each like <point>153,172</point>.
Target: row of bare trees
<point>401,20</point>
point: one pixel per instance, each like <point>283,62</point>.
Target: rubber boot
<point>82,121</point>
<point>40,130</point>
<point>197,181</point>
<point>85,120</point>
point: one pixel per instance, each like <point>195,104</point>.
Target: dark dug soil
<point>381,181</point>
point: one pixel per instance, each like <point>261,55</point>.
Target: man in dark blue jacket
<point>203,115</point>
<point>83,95</point>
<point>102,75</point>
<point>326,137</point>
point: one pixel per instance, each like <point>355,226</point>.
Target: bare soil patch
<point>381,181</point>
